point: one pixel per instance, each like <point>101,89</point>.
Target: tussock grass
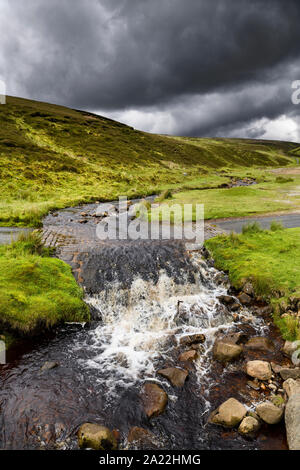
<point>37,291</point>
<point>253,227</point>
<point>166,194</point>
<point>283,179</point>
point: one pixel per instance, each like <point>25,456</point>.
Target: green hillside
<point>52,157</point>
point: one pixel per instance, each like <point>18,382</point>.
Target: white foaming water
<point>140,326</point>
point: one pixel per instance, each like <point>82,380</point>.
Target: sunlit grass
<point>37,291</point>
<point>270,259</point>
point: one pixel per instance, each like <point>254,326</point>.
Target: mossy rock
<point>94,436</point>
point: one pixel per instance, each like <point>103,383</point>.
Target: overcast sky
<point>187,67</point>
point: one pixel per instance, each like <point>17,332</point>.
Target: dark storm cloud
<point>232,60</point>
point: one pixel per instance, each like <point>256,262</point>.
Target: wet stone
<point>260,343</point>
<point>226,352</point>
<point>229,414</point>
<point>259,369</point>
<point>249,426</point>
<point>192,339</point>
<point>188,356</point>
<point>49,365</point>
<point>269,413</point>
<point>176,376</point>
<point>244,299</point>
<point>94,436</point>
<point>154,399</point>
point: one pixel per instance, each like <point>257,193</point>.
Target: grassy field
<point>272,193</point>
<point>52,157</point>
<point>36,290</point>
<point>270,260</point>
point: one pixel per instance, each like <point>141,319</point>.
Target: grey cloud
<point>212,65</point>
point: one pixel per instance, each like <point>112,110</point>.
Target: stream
<point>145,296</point>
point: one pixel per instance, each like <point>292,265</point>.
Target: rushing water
<point>137,330</point>
<point>145,296</point>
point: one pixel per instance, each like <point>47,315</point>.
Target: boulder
<point>94,436</point>
<point>189,356</point>
<point>176,376</point>
<point>226,352</point>
<point>244,299</point>
<point>229,414</point>
<point>259,370</point>
<point>260,343</point>
<point>287,373</point>
<point>249,426</point>
<point>292,413</point>
<point>269,413</point>
<point>192,339</point>
<point>154,399</point>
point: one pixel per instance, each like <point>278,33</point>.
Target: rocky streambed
<point>173,359</point>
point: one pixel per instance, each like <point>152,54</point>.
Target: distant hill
<point>52,156</point>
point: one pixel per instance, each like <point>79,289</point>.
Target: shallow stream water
<point>144,297</point>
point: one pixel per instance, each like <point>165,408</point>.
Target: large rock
<point>249,426</point>
<point>154,399</point>
<point>94,436</point>
<point>269,413</point>
<point>226,352</point>
<point>287,373</point>
<point>176,376</point>
<point>292,413</point>
<point>259,370</point>
<point>260,343</point>
<point>229,414</point>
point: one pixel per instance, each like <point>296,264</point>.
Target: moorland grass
<point>52,157</point>
<point>37,291</point>
<point>270,259</point>
<point>267,196</point>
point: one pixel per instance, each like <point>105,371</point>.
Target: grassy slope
<point>52,157</point>
<point>36,291</point>
<point>270,259</point>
